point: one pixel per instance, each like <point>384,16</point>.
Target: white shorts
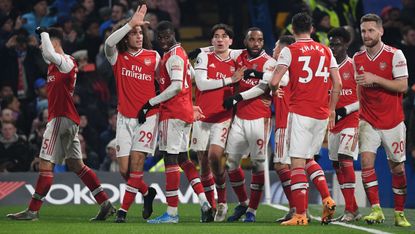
<point>393,140</point>
<point>206,134</point>
<point>60,141</point>
<point>132,136</point>
<point>344,142</point>
<point>174,136</point>
<point>281,146</point>
<point>306,135</point>
<point>249,137</point>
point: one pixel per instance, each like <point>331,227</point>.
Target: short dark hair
<point>341,33</point>
<point>55,33</point>
<point>252,29</point>
<point>124,9</point>
<point>165,25</point>
<point>286,39</point>
<point>302,22</point>
<point>228,30</point>
<point>371,17</point>
<point>407,28</point>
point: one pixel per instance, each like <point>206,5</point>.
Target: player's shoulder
<point>150,52</point>
<point>390,49</point>
<point>359,54</point>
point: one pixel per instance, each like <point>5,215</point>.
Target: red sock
<point>299,189</point>
<point>257,186</point>
<point>237,179</point>
<point>399,190</point>
<point>126,177</point>
<point>209,186</point>
<point>44,181</point>
<point>135,183</point>
<point>192,176</point>
<point>317,176</point>
<point>285,177</point>
<point>220,182</point>
<point>349,183</point>
<point>172,185</point>
<point>91,180</point>
<point>370,183</point>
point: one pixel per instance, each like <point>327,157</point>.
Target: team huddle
<point>313,88</point>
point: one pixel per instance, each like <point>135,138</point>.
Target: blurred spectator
<point>169,6</point>
<point>41,118</point>
<point>110,162</point>
<point>78,14</point>
<point>41,101</point>
<point>6,28</point>
<point>104,68</point>
<point>89,157</point>
<point>322,27</point>
<point>89,133</point>
<point>12,103</point>
<point>392,26</point>
<point>5,90</point>
<point>7,8</point>
<point>339,11</point>
<point>90,11</point>
<point>118,11</point>
<point>6,116</point>
<point>23,60</point>
<point>35,142</point>
<point>63,7</point>
<point>108,134</point>
<point>14,150</point>
<point>38,17</point>
<point>407,12</point>
<point>69,43</point>
<point>91,40</point>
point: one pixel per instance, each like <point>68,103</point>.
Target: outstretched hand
<point>138,18</point>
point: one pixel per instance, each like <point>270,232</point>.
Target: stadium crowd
<point>87,23</point>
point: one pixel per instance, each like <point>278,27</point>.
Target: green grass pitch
<point>74,219</point>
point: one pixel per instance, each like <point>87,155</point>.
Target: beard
<point>372,43</point>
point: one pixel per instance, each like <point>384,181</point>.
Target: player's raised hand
<point>143,112</point>
<point>138,18</point>
<point>40,30</point>
<point>238,74</point>
<point>231,101</point>
<point>252,73</point>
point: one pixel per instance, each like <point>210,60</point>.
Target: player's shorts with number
<point>206,134</point>
<point>345,142</point>
<point>60,141</point>
<point>132,136</point>
<point>249,137</point>
<point>306,135</point>
<point>393,140</point>
<point>174,136</point>
<point>281,146</point>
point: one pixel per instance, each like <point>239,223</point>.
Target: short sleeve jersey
<point>60,88</point>
<point>348,96</point>
<point>378,106</point>
<point>309,64</point>
<point>180,106</point>
<point>254,108</point>
<point>135,77</point>
<point>210,101</point>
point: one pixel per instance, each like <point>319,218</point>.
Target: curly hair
<point>122,46</point>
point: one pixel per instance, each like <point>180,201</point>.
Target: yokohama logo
<point>7,188</point>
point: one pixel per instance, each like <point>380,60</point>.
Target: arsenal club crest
<point>254,66</point>
<point>382,66</point>
<point>147,62</point>
<point>346,75</point>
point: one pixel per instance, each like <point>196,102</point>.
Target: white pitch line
<point>370,230</point>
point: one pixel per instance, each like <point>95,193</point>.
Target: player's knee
<point>258,165</point>
<point>170,159</point>
<point>280,166</point>
<point>74,165</point>
<point>397,168</point>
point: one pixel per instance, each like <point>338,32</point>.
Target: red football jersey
<point>378,106</point>
<point>60,88</point>
<point>254,108</point>
<point>281,107</point>
<point>348,96</point>
<point>180,106</point>
<point>210,101</point>
<point>135,77</point>
<point>309,64</point>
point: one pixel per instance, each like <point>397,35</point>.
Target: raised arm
<point>63,63</point>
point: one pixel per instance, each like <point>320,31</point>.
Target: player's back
<point>60,88</point>
<point>135,77</point>
<point>309,78</point>
<point>180,106</point>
